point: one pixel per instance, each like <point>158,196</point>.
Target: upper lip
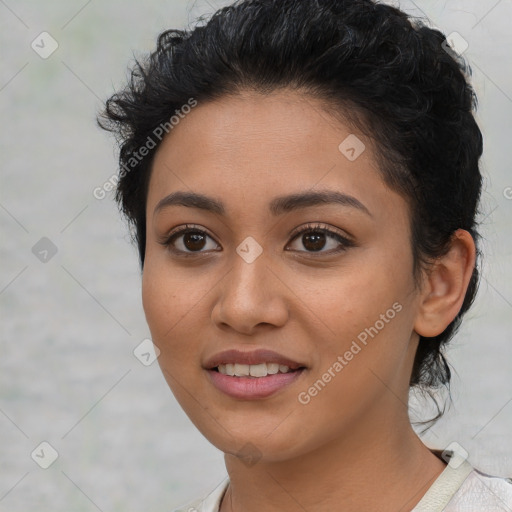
<point>250,357</point>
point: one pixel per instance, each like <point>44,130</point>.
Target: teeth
<point>258,370</point>
<point>242,370</point>
<point>272,368</point>
<point>252,370</point>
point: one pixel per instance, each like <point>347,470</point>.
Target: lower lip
<point>252,388</point>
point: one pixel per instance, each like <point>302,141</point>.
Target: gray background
<point>69,325</point>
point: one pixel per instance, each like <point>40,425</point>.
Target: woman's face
<point>338,306</point>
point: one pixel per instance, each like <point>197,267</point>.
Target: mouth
<point>255,371</point>
<point>252,375</point>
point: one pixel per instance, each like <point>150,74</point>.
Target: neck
<point>377,466</point>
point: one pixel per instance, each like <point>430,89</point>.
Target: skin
<point>352,446</point>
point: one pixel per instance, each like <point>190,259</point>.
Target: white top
<point>459,488</point>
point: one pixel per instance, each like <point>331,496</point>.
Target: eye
<point>189,240</point>
<point>316,237</point>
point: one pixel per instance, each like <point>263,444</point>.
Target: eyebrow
<point>278,206</point>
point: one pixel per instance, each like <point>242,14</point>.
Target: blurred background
<point>114,438</point>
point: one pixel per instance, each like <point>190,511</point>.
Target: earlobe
<point>445,286</point>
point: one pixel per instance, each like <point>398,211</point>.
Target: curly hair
<point>371,64</point>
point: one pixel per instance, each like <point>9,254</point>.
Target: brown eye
<point>189,240</point>
<point>316,238</point>
<point>314,241</point>
<point>194,240</point>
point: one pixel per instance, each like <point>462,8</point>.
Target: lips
<point>253,357</point>
<point>252,375</point>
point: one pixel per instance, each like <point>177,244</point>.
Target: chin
<point>264,444</point>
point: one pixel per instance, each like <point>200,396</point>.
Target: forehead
<point>283,120</point>
<point>250,147</point>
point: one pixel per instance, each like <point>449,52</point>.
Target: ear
<point>445,285</point>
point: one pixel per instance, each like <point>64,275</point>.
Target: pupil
<point>312,242</point>
<point>193,241</point>
<point>318,241</point>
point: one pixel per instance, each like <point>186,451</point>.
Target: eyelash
<point>308,228</point>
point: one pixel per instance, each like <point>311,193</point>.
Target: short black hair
<point>389,74</point>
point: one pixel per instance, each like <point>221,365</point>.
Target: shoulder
<point>209,503</point>
<point>481,491</point>
<point>463,488</point>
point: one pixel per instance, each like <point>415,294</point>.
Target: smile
<point>251,375</point>
<point>252,370</point>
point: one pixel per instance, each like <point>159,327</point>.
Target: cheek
<point>353,298</point>
<point>168,301</point>
<point>168,305</point>
<point>169,294</point>
<point>368,317</point>
<point>158,300</point>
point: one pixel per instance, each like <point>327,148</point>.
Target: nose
<point>250,297</point>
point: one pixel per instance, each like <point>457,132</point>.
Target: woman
<point>303,179</point>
